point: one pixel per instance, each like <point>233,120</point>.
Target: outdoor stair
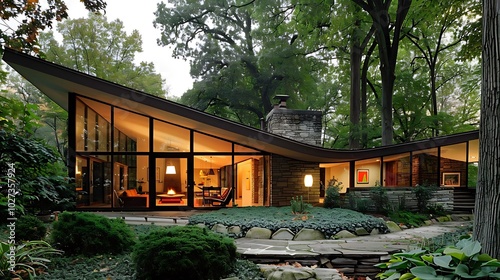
<point>464,200</point>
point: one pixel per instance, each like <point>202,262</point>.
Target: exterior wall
<point>300,125</point>
<point>287,177</point>
<point>443,196</point>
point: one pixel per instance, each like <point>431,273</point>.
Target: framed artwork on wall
<point>362,176</point>
<point>451,179</point>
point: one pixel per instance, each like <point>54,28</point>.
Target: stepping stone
<point>309,234</point>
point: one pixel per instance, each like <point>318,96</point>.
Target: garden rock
<point>343,234</point>
<point>236,230</point>
<point>283,234</point>
<point>374,231</point>
<point>361,231</point>
<point>220,228</point>
<point>289,273</point>
<point>309,234</point>
<point>259,233</point>
<point>393,227</point>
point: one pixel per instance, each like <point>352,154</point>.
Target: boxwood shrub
<point>328,221</point>
<point>88,234</point>
<point>186,252</point>
<point>30,228</point>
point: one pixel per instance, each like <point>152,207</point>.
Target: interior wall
<point>373,174</point>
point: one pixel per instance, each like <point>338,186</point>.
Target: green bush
<point>423,193</point>
<point>87,233</point>
<point>380,199</point>
<point>462,261</point>
<point>30,228</point>
<point>299,206</point>
<point>187,252</point>
<point>332,198</point>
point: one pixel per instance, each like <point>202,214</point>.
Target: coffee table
<point>170,198</point>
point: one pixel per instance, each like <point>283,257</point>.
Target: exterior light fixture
<point>308,182</point>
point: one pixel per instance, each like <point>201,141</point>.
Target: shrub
<point>462,261</point>
<point>24,259</point>
<point>87,233</point>
<point>423,194</point>
<point>380,199</point>
<point>30,228</point>
<point>298,206</point>
<point>187,252</point>
<point>332,198</point>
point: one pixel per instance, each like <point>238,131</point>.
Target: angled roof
<point>57,81</point>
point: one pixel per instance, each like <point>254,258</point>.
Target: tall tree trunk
<point>487,213</point>
<point>354,134</point>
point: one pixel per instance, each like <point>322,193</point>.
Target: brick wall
<point>287,180</point>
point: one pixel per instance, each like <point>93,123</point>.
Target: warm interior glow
<point>171,191</point>
<point>170,169</point>
<point>308,180</point>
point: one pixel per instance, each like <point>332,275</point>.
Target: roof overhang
<point>57,82</point>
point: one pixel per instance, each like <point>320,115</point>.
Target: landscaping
<point>81,237</point>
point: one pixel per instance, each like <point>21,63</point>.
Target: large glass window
<point>425,167</point>
<point>205,143</point>
<point>453,165</point>
<point>367,173</point>
<point>170,138</point>
<point>339,171</point>
<point>397,170</point>
<point>171,182</point>
<point>133,131</point>
<point>92,126</point>
<point>472,168</point>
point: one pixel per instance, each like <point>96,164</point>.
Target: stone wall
<point>300,125</point>
<point>443,197</point>
<point>287,180</point>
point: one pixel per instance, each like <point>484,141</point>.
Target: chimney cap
<point>282,100</point>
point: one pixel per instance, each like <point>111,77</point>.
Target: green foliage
<point>299,206</point>
<point>87,233</point>
<point>380,199</point>
<point>328,221</point>
<point>357,203</point>
<point>26,258</point>
<point>332,198</point>
<point>410,219</point>
<point>187,252</point>
<point>472,171</point>
<point>30,228</point>
<point>464,260</point>
<point>84,42</point>
<point>24,19</point>
<point>423,194</point>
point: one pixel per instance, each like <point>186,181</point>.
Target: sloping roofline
<point>57,82</point>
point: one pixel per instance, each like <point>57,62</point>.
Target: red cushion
<point>224,194</point>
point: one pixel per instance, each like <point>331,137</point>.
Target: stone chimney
<point>300,125</point>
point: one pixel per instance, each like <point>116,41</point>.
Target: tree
<point>23,20</point>
<point>242,54</point>
<point>379,11</point>
<point>103,49</point>
<point>487,212</point>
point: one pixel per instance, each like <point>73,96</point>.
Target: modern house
<point>129,150</point>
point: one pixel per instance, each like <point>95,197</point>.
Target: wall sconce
<point>308,182</point>
<point>170,169</point>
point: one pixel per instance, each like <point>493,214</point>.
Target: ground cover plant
<point>328,221</point>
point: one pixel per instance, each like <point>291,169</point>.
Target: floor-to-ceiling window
<point>128,160</point>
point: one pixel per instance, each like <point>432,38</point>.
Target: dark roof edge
<point>308,152</point>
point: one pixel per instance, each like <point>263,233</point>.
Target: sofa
<point>132,199</point>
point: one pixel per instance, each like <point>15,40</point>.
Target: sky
<point>137,16</point>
